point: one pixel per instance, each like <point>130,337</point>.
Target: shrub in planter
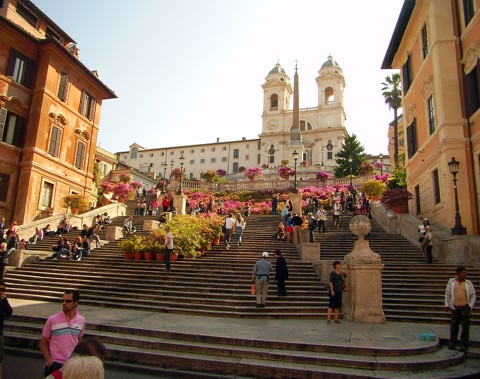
<point>79,202</point>
<point>374,187</point>
<point>396,197</point>
<point>131,245</point>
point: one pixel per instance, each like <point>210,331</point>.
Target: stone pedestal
<point>309,252</point>
<point>296,199</point>
<point>363,302</point>
<point>114,233</point>
<point>180,204</point>
<point>150,225</point>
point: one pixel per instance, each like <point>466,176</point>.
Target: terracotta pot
<point>373,197</point>
<point>138,255</point>
<point>148,256</point>
<point>75,211</point>
<point>161,257</point>
<point>216,241</point>
<point>222,237</point>
<point>399,208</point>
<point>173,257</point>
<point>128,255</point>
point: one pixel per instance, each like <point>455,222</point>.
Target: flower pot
<point>222,237</point>
<point>160,257</point>
<point>138,255</point>
<point>373,197</point>
<point>75,211</point>
<point>122,199</point>
<point>399,208</point>
<point>216,241</point>
<point>128,255</point>
<point>173,257</point>
<point>148,256</point>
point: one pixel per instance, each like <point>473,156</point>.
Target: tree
<point>352,148</point>
<point>393,98</point>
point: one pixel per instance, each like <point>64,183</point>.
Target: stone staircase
<point>218,284</point>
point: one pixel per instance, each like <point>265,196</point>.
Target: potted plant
<point>136,184</point>
<point>285,162</point>
<point>209,175</point>
<point>323,176</point>
<point>130,246</point>
<point>253,173</point>
<point>107,187</point>
<point>285,172</point>
<point>123,191</point>
<point>125,178</point>
<point>374,188</point>
<point>397,199</point>
<point>77,203</point>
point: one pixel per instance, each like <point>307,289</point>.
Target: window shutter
<point>30,73</point>
<point>11,62</point>
<point>20,132</point>
<point>92,108</point>
<point>409,141</point>
<point>3,118</point>
<point>468,94</point>
<point>82,103</point>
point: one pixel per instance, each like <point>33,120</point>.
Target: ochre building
<point>50,107</point>
<point>436,45</point>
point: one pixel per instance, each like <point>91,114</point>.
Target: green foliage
<point>398,178</point>
<point>374,187</point>
<point>352,148</point>
<point>97,175</point>
<point>77,201</point>
<point>132,244</point>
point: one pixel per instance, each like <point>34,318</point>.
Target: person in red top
<point>62,332</point>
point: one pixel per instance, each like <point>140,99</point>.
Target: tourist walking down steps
<point>260,276</point>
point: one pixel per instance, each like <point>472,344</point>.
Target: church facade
<point>321,133</point>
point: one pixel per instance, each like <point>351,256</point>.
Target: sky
<point>190,71</point>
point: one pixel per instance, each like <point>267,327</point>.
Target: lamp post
<point>171,167</point>
<point>180,189</point>
<point>458,229</point>
<point>350,161</point>
<point>322,158</point>
<point>381,163</point>
<point>165,165</point>
<point>295,157</point>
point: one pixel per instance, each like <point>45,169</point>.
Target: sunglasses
<point>67,301</point>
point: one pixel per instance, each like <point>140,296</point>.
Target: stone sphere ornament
<point>360,226</point>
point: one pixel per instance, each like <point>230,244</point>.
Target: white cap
<point>265,254</point>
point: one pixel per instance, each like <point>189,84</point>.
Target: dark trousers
<point>54,367</point>
<point>428,249</point>
<point>167,258</point>
<point>321,225</point>
<point>460,316</point>
<point>281,289</point>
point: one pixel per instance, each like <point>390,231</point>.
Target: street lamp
<point>350,161</point>
<point>381,163</point>
<point>295,157</point>
<point>180,189</point>
<point>171,167</point>
<point>165,165</point>
<point>322,158</point>
<point>458,229</point>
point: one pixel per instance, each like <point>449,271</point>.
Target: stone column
<point>114,233</point>
<point>180,203</point>
<point>363,301</point>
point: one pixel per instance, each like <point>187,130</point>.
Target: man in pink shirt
<point>62,332</point>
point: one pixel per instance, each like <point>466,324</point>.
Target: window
<point>235,167</point>
<point>213,160</point>
<point>472,90</point>
<point>51,34</point>
<point>247,157</point>
<point>63,86</point>
<point>224,148</point>
<point>407,76</point>
<point>13,130</point>
<point>274,102</point>
<point>329,155</point>
<point>87,105</point>
<point>55,140</point>
<point>5,180</point>
<point>151,154</point>
<point>46,195</point>
<point>305,125</point>
<point>212,149</point>
<point>236,153</point>
<point>202,150</point>
<point>172,153</point>
<point>224,159</point>
<point>417,199</point>
<point>468,11</point>
<point>80,155</point>
<point>424,41</point>
<point>162,154</point>
<point>329,96</point>
<point>431,115</point>
<point>271,159</point>
<point>259,145</point>
<point>412,143</point>
<point>133,153</point>
<point>192,151</point>
<point>436,186</point>
<point>141,155</point>
<point>27,14</point>
<point>248,146</point>
<point>259,158</point>
<point>192,161</point>
<point>202,160</point>
<point>20,68</point>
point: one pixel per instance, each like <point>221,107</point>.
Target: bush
<point>396,196</point>
<point>374,187</point>
<point>77,201</point>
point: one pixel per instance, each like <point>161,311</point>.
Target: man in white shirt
<point>168,247</point>
<point>229,225</point>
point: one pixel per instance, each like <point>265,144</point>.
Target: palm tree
<point>393,98</point>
